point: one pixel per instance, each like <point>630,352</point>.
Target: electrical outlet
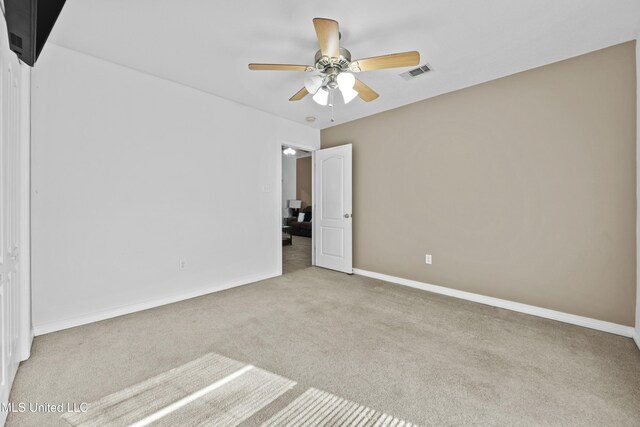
<point>182,265</point>
<point>427,259</point>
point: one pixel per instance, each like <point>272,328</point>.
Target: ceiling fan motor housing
<point>324,64</point>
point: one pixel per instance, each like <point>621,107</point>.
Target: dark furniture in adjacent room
<point>287,239</point>
<point>302,228</point>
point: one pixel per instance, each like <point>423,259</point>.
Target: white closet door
<point>14,196</point>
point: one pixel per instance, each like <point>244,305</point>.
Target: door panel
<point>332,192</point>
<point>332,241</point>
<point>333,223</point>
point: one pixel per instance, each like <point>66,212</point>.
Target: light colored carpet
<point>296,256</point>
<point>427,358</point>
<point>216,391</point>
<point>212,389</point>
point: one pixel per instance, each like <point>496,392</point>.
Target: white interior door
<point>332,215</point>
<point>14,196</point>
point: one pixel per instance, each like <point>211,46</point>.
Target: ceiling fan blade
<point>394,60</point>
<point>365,92</point>
<point>280,67</point>
<point>299,94</point>
<point>328,36</point>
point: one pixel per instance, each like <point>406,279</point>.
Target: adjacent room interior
<point>304,214</point>
<point>297,210</point>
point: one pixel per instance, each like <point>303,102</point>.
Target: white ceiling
<point>207,44</point>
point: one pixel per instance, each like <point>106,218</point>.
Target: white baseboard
<point>600,325</point>
<point>127,309</point>
<point>26,347</point>
<point>636,338</point>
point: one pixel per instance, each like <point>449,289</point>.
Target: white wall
<point>132,174</point>
<point>288,182</point>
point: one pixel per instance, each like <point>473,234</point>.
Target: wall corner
<point>637,326</point>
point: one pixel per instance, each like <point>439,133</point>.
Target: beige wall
<point>303,181</point>
<point>523,188</point>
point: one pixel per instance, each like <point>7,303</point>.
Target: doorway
<point>297,209</point>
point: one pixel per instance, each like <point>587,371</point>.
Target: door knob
<point>347,215</point>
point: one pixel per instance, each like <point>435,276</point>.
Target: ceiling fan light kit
<point>335,68</point>
<point>321,96</point>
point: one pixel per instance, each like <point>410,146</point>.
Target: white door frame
<point>296,146</point>
<point>26,327</point>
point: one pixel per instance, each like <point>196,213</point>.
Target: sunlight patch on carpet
<point>318,408</point>
<point>212,389</point>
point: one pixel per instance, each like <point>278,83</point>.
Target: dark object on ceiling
<point>29,23</point>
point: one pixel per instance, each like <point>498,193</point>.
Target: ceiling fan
<point>335,68</point>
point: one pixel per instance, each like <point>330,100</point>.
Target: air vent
<point>416,72</point>
<point>15,40</point>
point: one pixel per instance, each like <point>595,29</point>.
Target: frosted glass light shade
<point>321,96</point>
<point>346,81</point>
<point>313,83</point>
<point>348,95</point>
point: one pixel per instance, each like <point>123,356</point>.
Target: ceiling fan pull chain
<point>331,95</point>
